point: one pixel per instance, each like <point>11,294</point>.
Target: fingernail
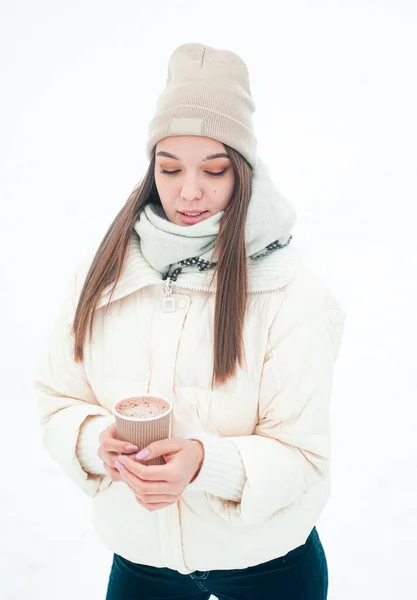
<point>117,465</point>
<point>122,459</point>
<point>131,448</point>
<point>142,454</point>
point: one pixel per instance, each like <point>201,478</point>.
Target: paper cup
<point>143,430</point>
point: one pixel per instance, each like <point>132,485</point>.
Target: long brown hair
<point>231,269</point>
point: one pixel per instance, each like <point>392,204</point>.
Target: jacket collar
<point>267,274</point>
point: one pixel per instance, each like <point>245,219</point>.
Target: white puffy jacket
<point>274,412</point>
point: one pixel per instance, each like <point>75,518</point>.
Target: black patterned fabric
<point>204,265</point>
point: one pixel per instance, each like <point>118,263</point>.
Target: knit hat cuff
<point>197,120</point>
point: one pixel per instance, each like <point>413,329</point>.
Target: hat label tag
<point>186,125</point>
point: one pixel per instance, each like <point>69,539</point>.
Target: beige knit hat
<point>208,94</point>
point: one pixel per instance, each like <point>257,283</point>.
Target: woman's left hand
<point>158,486</point>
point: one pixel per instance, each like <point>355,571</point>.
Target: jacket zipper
<point>168,303</point>
<point>168,287</point>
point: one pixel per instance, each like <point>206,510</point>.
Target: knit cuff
<point>88,444</point>
<point>222,472</point>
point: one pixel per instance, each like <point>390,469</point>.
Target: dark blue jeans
<point>299,575</point>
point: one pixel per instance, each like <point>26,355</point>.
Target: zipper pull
<point>168,287</point>
<point>168,303</point>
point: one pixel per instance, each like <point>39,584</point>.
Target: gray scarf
<point>170,248</point>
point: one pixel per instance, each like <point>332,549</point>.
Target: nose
<point>191,189</point>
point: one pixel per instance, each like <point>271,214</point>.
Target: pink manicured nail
<point>122,459</point>
<point>131,448</point>
<point>142,454</point>
<point>117,465</point>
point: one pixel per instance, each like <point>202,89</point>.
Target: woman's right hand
<point>110,448</point>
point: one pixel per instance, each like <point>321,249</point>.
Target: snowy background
<point>336,94</point>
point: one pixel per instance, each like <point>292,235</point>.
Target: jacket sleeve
<point>67,403</point>
<point>222,473</point>
<point>289,451</point>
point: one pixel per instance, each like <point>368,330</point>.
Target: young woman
<point>197,294</point>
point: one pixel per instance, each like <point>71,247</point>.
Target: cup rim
<point>139,419</point>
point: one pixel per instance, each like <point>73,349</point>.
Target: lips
<point>191,214</point>
<point>191,217</point>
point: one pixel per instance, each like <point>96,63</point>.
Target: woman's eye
<point>218,173</point>
<point>212,173</point>
<point>164,172</point>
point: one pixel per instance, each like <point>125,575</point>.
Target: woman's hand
<point>110,448</point>
<point>158,486</point>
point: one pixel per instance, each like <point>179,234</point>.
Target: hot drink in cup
<point>144,419</point>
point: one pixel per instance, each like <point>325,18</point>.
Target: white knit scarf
<point>165,245</point>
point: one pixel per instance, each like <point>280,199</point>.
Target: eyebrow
<point>211,157</point>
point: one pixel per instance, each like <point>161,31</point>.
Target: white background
<point>336,95</point>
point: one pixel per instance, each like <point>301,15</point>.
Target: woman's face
<point>194,178</point>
